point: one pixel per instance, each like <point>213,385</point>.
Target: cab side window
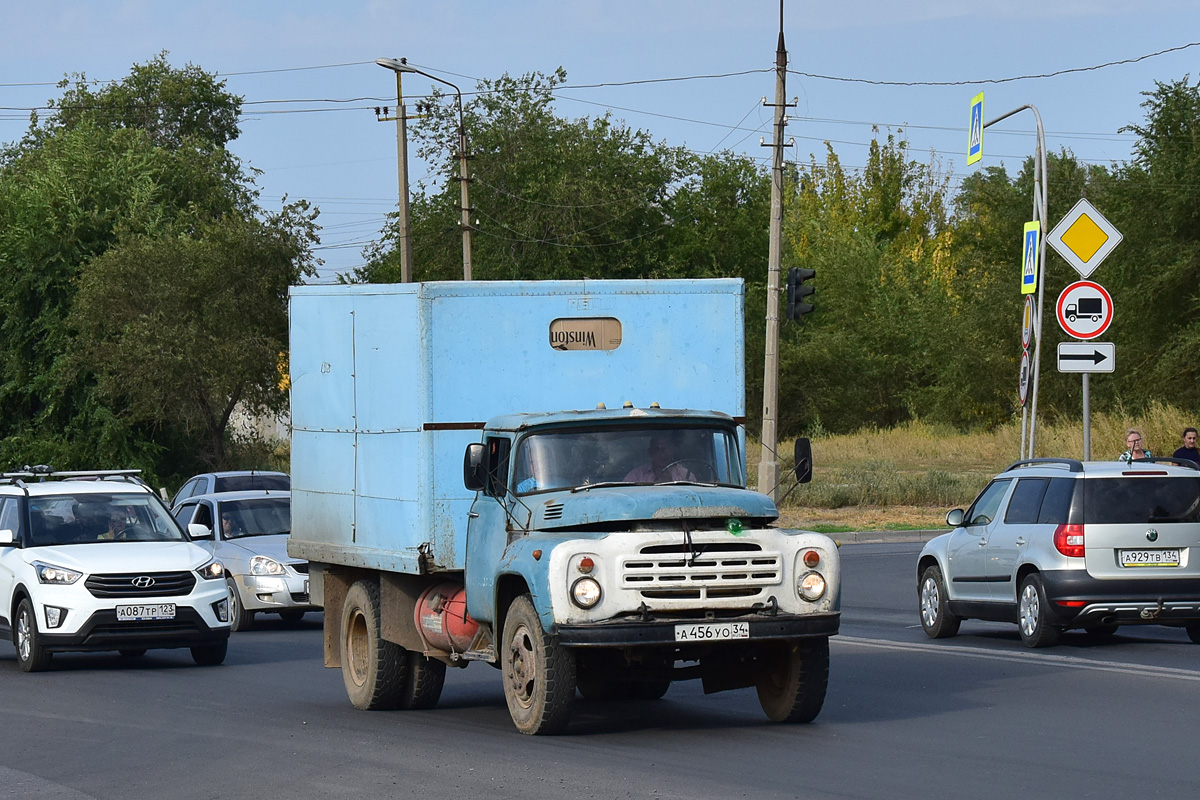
<point>984,509</point>
<point>496,449</point>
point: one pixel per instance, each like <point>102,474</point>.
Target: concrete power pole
<point>768,468</point>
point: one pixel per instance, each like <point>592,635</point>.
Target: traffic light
<point>797,291</point>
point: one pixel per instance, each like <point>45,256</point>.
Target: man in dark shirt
<point>1189,450</point>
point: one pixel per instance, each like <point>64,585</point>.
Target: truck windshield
<point>637,454</point>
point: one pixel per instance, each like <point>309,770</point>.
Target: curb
<point>879,537</point>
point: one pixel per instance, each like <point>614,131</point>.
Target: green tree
<point>183,329</point>
<point>118,164</point>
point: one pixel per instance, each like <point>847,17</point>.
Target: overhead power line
<point>1054,74</point>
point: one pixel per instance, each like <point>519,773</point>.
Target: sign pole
<point>1087,417</point>
<point>1039,214</point>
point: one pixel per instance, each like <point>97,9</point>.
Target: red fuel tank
<point>441,615</point>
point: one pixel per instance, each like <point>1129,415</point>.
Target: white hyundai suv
<point>94,561</point>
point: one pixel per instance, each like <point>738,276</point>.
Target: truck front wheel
<point>373,669</point>
<point>792,682</point>
<point>539,674</point>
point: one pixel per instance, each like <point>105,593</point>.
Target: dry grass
<point>909,476</point>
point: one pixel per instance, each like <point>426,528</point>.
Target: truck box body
<point>391,382</point>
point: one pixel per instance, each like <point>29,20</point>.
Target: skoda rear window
<point>249,483</point>
<point>1141,500</point>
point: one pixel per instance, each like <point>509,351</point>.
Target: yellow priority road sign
<point>1084,238</point>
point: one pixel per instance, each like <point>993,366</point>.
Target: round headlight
<point>812,586</point>
<point>585,592</point>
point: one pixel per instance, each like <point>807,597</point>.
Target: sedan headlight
<point>585,592</point>
<point>265,565</point>
<point>48,573</point>
<point>811,586</point>
<point>212,570</point>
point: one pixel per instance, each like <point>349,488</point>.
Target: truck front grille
<point>727,571</point>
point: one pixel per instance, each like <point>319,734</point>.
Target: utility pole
<point>464,179</point>
<point>402,173</point>
<point>768,468</point>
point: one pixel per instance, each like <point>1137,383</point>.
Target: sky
<point>307,73</point>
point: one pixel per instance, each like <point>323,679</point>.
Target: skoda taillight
<point>1068,540</point>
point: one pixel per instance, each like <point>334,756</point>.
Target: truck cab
<point>645,558</point>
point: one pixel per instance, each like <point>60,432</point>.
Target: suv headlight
<point>265,565</point>
<point>212,570</point>
<point>48,573</point>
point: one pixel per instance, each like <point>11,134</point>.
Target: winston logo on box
<point>585,333</point>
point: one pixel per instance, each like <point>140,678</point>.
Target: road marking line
<point>1024,658</point>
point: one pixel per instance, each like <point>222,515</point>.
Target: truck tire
<point>539,674</point>
<point>373,669</point>
<point>423,686</point>
<point>792,682</point>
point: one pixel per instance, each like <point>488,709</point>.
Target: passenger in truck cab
<point>664,463</point>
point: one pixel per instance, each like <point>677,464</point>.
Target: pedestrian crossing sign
<point>1029,257</point>
<point>975,136</point>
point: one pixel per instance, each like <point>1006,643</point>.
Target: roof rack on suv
<point>1071,464</point>
<point>42,472</point>
<point>1183,462</point>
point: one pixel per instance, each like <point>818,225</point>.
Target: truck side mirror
<point>804,461</point>
<point>474,470</point>
<point>7,538</point>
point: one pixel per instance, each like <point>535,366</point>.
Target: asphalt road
<point>976,716</point>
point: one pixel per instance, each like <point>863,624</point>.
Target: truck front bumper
<point>635,632</point>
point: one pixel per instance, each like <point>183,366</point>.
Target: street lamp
<point>401,65</point>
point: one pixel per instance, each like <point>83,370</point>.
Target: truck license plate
<point>712,631</point>
<point>1150,558</point>
<point>145,612</point>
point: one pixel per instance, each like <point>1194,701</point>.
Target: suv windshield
<point>1141,500</point>
<point>637,454</point>
<point>90,518</point>
<point>250,483</point>
<point>263,516</point>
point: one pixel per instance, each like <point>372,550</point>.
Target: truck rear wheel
<point>792,682</point>
<point>539,674</point>
<point>373,669</point>
<point>423,686</point>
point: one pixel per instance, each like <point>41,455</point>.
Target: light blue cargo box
<point>391,382</point>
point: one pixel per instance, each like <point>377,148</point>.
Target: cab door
<point>968,547</point>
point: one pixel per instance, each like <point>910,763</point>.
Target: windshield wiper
<point>602,484</point>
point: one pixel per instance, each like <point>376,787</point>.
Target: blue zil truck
<point>548,477</point>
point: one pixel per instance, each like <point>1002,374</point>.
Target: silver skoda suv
<point>1053,544</point>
